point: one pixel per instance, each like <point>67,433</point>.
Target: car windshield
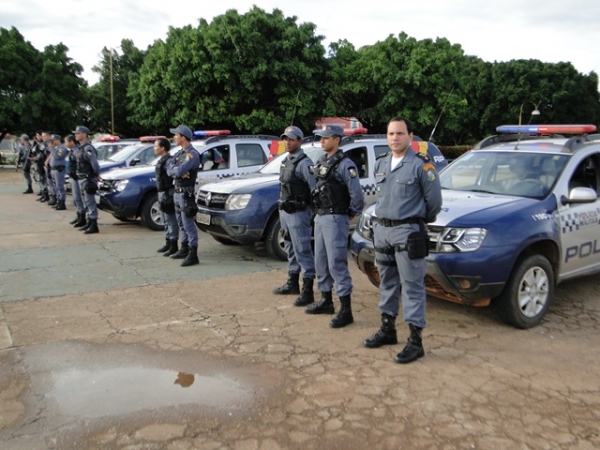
<point>123,154</point>
<point>273,166</point>
<point>508,173</point>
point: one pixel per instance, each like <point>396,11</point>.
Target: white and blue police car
<point>243,210</point>
<point>520,214</point>
<point>131,192</point>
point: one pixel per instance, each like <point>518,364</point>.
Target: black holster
<point>189,204</point>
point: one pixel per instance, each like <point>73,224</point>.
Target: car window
<point>224,152</point>
<point>146,156</point>
<point>361,159</point>
<point>586,174</point>
<point>518,174</point>
<point>250,155</point>
<point>125,153</point>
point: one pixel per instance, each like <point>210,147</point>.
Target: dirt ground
<point>105,344</point>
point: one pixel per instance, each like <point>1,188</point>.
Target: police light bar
<point>109,139</point>
<point>547,129</point>
<point>150,138</point>
<point>211,132</point>
<point>348,131</point>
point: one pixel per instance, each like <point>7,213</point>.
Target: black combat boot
<point>291,286</point>
<point>93,227</point>
<point>44,198</point>
<point>86,225</point>
<point>307,295</point>
<point>414,347</point>
<point>60,205</point>
<point>28,190</point>
<point>165,247</point>
<point>81,222</point>
<point>324,306</point>
<point>192,257</point>
<point>173,248</point>
<point>344,316</point>
<point>386,335</point>
<point>52,200</point>
<point>76,219</point>
<point>182,252</point>
<point>39,194</point>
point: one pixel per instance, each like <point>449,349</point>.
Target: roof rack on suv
<point>576,142</point>
<point>262,137</point>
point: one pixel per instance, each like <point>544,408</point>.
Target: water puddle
<point>125,390</point>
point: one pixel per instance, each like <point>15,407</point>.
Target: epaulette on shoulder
<point>423,156</point>
<point>383,155</point>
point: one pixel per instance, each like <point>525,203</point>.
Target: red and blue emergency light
<point>150,138</point>
<point>546,129</point>
<point>109,139</point>
<point>201,133</point>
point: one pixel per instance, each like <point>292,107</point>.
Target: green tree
<point>124,66</point>
<point>19,61</point>
<point>254,73</point>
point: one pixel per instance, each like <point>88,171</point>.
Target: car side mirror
<point>579,195</point>
<point>134,161</point>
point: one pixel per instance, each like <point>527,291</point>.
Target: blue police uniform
<point>39,154</point>
<point>295,214</point>
<point>409,195</point>
<point>183,167</point>
<point>48,175</point>
<point>337,197</point>
<point>88,170</point>
<point>24,154</point>
<point>166,190</point>
<point>75,190</point>
<point>58,163</point>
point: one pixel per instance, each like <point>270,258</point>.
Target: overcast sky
<point>494,30</point>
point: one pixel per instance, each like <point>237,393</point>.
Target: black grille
<point>212,199</point>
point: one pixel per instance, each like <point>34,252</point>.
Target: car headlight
<point>364,227</point>
<point>120,185</point>
<point>235,202</point>
<point>453,240</point>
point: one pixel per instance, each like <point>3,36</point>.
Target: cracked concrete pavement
<point>105,344</point>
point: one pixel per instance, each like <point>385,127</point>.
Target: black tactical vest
<point>163,181</point>
<point>331,195</point>
<point>84,165</point>
<point>293,187</point>
<point>185,182</point>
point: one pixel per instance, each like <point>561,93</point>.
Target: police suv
<point>131,192</point>
<point>244,210</point>
<point>520,214</point>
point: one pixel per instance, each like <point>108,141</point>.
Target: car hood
<point>242,184</point>
<point>462,208</point>
<point>129,172</point>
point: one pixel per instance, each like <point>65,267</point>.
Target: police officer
<point>58,165</point>
<point>183,167</point>
<point>164,185</point>
<point>47,137</point>
<point>39,154</point>
<point>24,158</point>
<point>88,171</point>
<point>74,149</point>
<point>295,215</point>
<point>337,198</point>
<point>409,195</point>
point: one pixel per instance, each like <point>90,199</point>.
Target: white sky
<point>494,30</point>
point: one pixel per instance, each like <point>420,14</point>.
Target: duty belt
<point>395,223</point>
<point>182,189</point>
<point>325,211</point>
<point>59,168</point>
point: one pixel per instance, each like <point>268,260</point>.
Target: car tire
<point>274,239</point>
<point>224,241</point>
<point>150,213</point>
<point>528,293</point>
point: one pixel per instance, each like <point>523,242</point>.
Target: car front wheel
<point>150,213</point>
<point>528,293</point>
<point>274,240</point>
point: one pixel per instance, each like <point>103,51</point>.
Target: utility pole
<point>112,97</point>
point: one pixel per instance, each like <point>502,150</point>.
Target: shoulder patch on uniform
<point>311,169</point>
<point>89,152</point>
<point>428,166</point>
<point>352,171</point>
<point>383,155</point>
<point>431,175</point>
<point>423,156</point>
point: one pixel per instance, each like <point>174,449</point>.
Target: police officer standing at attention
<point>164,185</point>
<point>409,195</point>
<point>49,141</point>
<point>58,164</point>
<point>183,167</point>
<point>295,214</point>
<point>337,198</point>
<point>24,158</point>
<point>71,144</point>
<point>39,154</point>
<point>88,170</point>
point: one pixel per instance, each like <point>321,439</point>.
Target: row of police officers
<point>48,159</point>
<point>329,193</point>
